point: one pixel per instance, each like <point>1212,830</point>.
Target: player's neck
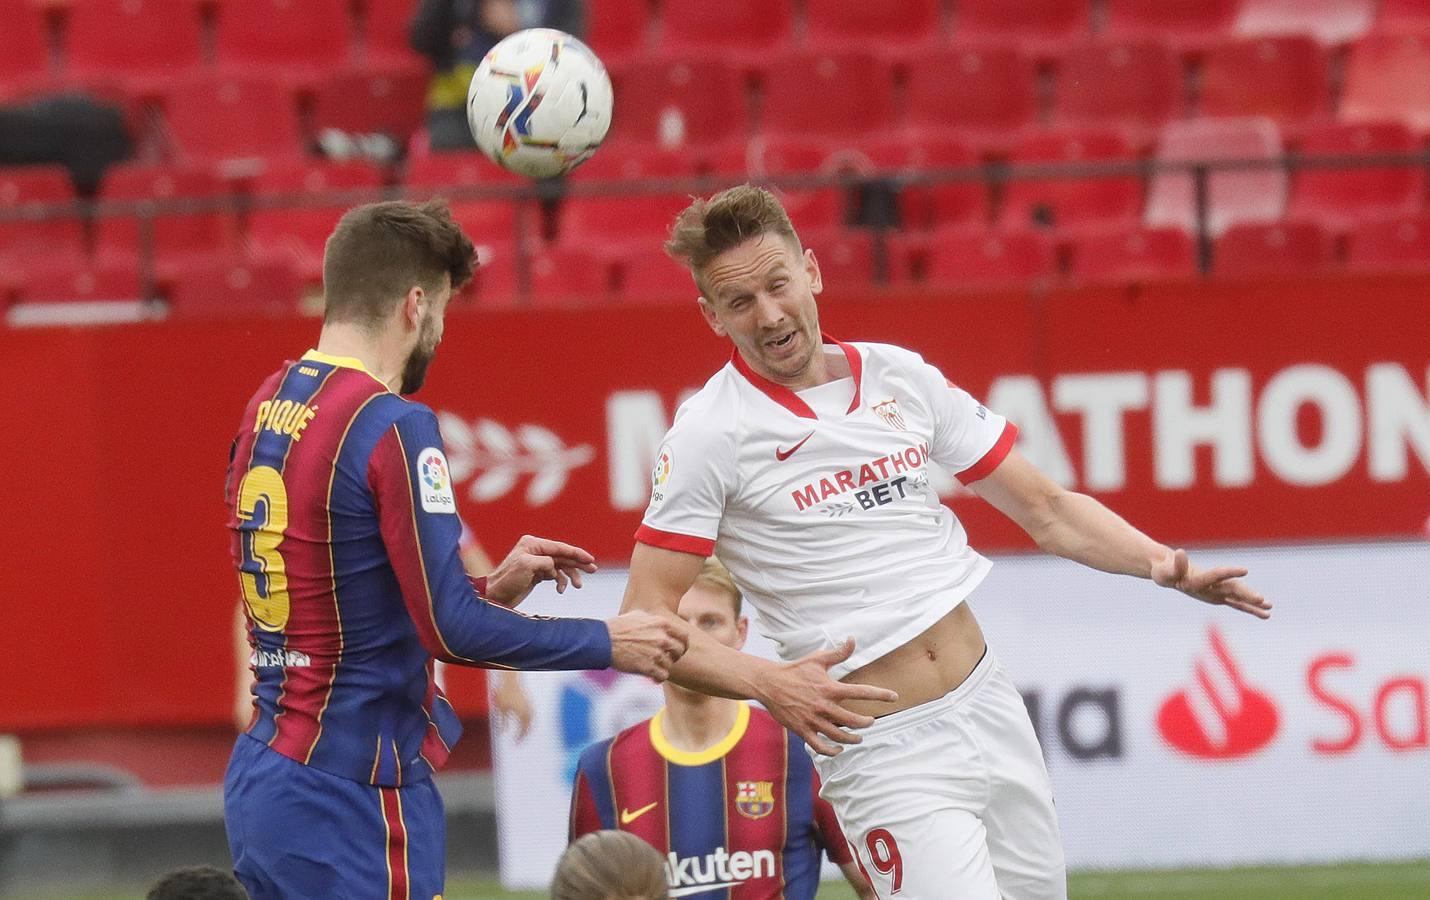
<point>346,339</point>
<point>695,722</point>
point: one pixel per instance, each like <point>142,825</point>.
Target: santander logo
<point>1220,716</point>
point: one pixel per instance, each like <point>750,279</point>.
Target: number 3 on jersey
<point>263,513</point>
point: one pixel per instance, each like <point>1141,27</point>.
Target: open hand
<point>1219,587</point>
<point>803,698</point>
<point>532,561</point>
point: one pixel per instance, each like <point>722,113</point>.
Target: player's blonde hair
<point>708,227</point>
<point>610,865</point>
<point>714,575</point>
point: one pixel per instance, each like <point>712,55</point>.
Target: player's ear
<point>708,312</point>
<point>742,631</point>
<point>413,305</point>
<point>811,268</point>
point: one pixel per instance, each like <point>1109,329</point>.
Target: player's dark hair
<point>610,865</point>
<point>378,252</point>
<point>197,883</point>
<point>708,227</point>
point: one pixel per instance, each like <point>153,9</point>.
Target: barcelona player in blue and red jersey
<point>345,536</point>
<point>721,788</point>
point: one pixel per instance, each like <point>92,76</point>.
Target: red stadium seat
<point>961,256</point>
<point>1233,196</point>
<point>1284,79</point>
<point>80,281</point>
<point>613,221</point>
<point>299,38</point>
<point>1282,248</point>
<point>846,256</point>
<point>1135,88</point>
<point>1388,77</point>
<point>1402,243</point>
<point>985,95</point>
<point>678,102</point>
<point>389,102</point>
<point>1139,255</point>
<point>861,82</point>
<point>1341,198</point>
<point>1073,202</point>
<point>1328,21</point>
<point>234,290</point>
<point>494,282</point>
<point>1036,26</point>
<point>235,123</point>
<point>748,28</point>
<point>24,51</point>
<point>897,24</point>
<point>384,26</point>
<point>1189,26</point>
<point>1402,15</point>
<point>622,161</point>
<point>161,38</point>
<point>297,232</point>
<point>179,239</point>
<point>459,168</point>
<point>773,157</point>
<point>617,28</point>
<point>23,243</point>
<point>567,275</point>
<point>648,275</point>
<point>927,204</point>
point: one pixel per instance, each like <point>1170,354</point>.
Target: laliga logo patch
<point>755,799</point>
<point>659,476</point>
<point>436,482</point>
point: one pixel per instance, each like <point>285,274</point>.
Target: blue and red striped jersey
<point>741,820</point>
<point>344,532</point>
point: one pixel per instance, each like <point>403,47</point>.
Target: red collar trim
<point>788,398</point>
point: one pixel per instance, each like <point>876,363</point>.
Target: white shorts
<point>951,798</point>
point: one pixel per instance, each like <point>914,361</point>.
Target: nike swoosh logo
<point>783,455</point>
<point>627,817</point>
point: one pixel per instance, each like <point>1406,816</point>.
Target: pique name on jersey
<point>874,483</point>
<point>286,417</point>
<point>720,869</point>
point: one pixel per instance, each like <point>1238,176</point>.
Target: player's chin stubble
<point>414,371</point>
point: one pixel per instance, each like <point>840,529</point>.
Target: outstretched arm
<point>1078,527</point>
<point>799,694</point>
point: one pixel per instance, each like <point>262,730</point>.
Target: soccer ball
<point>540,103</point>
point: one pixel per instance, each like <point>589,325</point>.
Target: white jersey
<point>828,523</point>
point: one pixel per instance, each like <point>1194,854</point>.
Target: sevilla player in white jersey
<point>803,465</point>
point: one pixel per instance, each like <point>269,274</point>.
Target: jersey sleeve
<point>969,439</point>
<point>411,485</point>
<point>586,814</point>
<point>688,487</point>
<point>831,836</point>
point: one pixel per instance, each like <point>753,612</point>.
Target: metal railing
<point>849,171</point>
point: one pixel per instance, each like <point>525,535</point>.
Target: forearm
<point>1078,527</point>
<point>712,668</point>
<point>471,631</point>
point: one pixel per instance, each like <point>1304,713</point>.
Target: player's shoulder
<point>711,412</point>
<point>593,758</point>
<point>889,355</point>
<point>629,744</point>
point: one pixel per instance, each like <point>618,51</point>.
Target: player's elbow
<point>1049,519</point>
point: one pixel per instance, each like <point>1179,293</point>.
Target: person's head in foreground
<point>757,283</point>
<point>712,605</point>
<point>389,269</point>
<point>197,883</point>
<point>609,865</point>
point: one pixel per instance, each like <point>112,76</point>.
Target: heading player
<point>345,536</point>
<point>807,460</point>
<point>717,786</point>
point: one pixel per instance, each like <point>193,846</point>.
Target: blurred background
<point>1182,243</point>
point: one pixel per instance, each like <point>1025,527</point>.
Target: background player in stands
<point>609,865</point>
<point>807,459</point>
<point>344,533</point>
<point>717,785</point>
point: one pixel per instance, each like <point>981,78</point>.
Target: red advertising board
<point>1204,412</point>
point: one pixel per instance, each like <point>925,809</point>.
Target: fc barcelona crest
<point>755,799</point>
<point>889,412</point>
